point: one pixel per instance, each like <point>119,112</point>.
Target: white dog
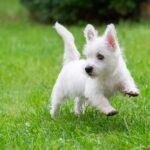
<point>96,78</point>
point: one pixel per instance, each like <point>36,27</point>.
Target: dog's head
<point>102,52</point>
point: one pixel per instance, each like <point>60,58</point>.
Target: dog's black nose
<point>89,69</point>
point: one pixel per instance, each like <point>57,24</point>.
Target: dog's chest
<point>108,87</point>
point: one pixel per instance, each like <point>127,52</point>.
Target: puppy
<point>96,78</point>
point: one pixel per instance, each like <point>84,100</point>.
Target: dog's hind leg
<point>57,98</point>
<point>78,105</point>
<point>56,101</point>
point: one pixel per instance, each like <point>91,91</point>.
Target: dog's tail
<point>71,53</point>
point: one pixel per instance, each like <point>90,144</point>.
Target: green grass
<point>30,60</point>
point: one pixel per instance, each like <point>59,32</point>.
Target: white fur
<point>108,76</point>
<point>71,52</point>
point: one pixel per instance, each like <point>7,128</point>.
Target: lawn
<point>30,60</point>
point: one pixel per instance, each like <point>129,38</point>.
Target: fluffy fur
<point>96,78</point>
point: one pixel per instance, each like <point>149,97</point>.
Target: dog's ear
<point>90,33</point>
<point>111,37</point>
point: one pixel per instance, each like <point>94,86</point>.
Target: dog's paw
<point>112,113</point>
<point>132,93</point>
<point>53,114</point>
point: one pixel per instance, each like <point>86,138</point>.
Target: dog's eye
<point>100,57</point>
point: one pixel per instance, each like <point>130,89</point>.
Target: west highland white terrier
<point>96,78</point>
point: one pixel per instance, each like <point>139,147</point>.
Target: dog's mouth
<point>92,75</point>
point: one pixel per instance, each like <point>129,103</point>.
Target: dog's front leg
<point>127,84</point>
<point>102,103</point>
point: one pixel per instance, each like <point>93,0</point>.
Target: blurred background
<point>76,11</point>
